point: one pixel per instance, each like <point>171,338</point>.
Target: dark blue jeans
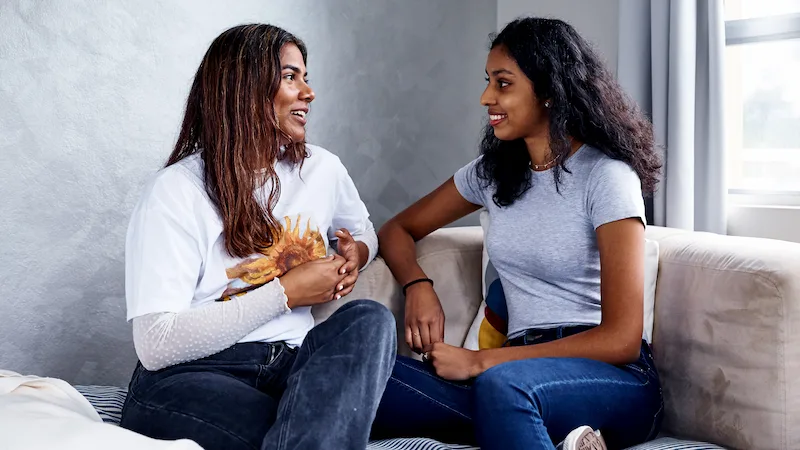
<point>530,404</point>
<point>272,396</point>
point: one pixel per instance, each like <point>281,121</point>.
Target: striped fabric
<point>108,402</point>
<point>675,444</point>
<point>429,444</point>
<point>415,444</point>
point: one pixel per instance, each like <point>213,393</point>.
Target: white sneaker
<point>584,438</point>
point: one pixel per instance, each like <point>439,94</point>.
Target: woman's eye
<point>500,83</point>
<point>289,76</point>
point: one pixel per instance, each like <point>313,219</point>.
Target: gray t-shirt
<point>544,245</point>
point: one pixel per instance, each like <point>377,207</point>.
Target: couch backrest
<point>726,337</point>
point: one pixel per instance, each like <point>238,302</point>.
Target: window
<point>762,99</point>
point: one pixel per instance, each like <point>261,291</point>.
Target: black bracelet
<point>411,283</point>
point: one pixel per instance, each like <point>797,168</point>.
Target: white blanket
<point>48,413</point>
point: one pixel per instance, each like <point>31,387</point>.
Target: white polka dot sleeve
<point>167,338</point>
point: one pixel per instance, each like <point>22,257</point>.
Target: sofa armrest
<point>727,338</point>
<point>449,256</point>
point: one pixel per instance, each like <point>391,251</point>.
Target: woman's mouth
<point>299,115</point>
<point>495,119</point>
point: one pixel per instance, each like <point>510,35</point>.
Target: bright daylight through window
<point>762,99</point>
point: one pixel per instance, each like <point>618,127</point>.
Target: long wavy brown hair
<point>230,121</point>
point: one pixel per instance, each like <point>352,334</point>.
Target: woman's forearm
<point>600,343</point>
<point>167,338</point>
<point>398,249</point>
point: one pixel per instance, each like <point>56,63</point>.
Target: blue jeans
<point>528,404</point>
<point>271,396</point>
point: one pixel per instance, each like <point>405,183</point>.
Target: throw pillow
<point>489,328</point>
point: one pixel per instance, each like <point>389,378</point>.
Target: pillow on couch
<point>489,328</point>
<point>30,404</point>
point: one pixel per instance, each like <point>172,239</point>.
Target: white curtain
<point>671,61</point>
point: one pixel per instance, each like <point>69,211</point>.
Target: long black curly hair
<point>586,103</point>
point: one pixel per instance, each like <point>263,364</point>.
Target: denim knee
<point>498,387</point>
<point>374,322</point>
<point>377,313</point>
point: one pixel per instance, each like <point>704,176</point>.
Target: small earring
<point>547,103</point>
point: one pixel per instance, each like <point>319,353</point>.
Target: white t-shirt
<point>175,253</point>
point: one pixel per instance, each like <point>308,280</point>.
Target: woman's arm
<point>167,338</point>
<point>397,237</point>
<point>163,339</point>
<point>424,317</point>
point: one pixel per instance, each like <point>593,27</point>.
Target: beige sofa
<point>727,327</point>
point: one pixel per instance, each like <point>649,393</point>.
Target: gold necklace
<point>542,166</point>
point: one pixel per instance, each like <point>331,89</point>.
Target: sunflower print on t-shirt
<point>289,251</point>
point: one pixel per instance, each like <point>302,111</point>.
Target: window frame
<point>762,29</point>
<point>759,30</point>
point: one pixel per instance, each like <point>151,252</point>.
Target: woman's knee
<point>367,307</point>
<point>499,385</point>
<point>371,321</point>
<point>371,312</point>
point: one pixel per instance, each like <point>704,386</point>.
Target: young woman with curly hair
<point>564,161</point>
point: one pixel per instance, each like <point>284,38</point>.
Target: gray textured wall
<point>596,20</point>
<point>90,100</point>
